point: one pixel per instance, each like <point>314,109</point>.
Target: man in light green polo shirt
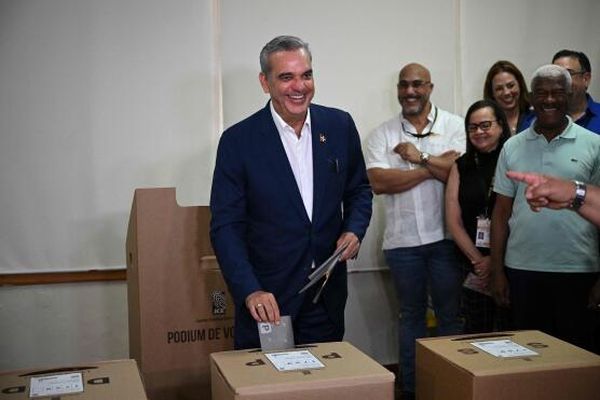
<point>545,264</point>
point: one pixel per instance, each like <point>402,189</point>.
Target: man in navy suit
<point>289,188</point>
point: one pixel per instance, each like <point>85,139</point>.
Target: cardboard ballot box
<point>510,365</point>
<point>109,380</point>
<point>180,309</point>
<point>342,372</point>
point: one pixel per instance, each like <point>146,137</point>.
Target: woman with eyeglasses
<point>469,204</point>
<point>505,85</point>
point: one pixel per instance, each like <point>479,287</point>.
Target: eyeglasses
<point>484,126</point>
<point>572,72</point>
<point>417,84</point>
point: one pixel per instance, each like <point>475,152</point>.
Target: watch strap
<point>580,192</point>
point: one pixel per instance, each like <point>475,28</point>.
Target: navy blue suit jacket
<point>260,231</point>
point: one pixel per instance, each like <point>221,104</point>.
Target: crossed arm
<point>392,180</point>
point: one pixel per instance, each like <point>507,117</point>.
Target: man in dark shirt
<point>582,108</point>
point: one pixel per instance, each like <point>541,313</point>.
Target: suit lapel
<point>321,161</point>
<point>274,152</point>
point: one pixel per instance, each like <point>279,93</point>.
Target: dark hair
<point>500,118</point>
<point>584,61</point>
<point>507,66</point>
<point>281,43</point>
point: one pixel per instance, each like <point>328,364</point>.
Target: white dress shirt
<point>415,217</point>
<point>299,154</point>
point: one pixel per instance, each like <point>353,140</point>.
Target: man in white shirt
<point>408,161</point>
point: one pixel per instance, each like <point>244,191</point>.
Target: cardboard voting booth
<point>510,365</point>
<point>335,370</point>
<point>115,380</point>
<point>180,309</point>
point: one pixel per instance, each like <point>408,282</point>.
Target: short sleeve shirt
<point>550,240</point>
<point>414,217</point>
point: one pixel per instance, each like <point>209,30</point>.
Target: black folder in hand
<point>324,270</point>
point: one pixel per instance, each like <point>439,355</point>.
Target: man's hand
<point>408,152</point>
<point>438,165</point>
<point>545,191</point>
<point>263,307</point>
<point>353,243</point>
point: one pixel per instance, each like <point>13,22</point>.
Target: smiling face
<point>484,130</point>
<point>549,100</point>
<point>506,90</point>
<point>290,84</point>
<point>414,89</point>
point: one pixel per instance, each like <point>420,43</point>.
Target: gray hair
<point>281,43</point>
<point>552,71</point>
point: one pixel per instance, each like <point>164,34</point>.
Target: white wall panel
<point>97,99</point>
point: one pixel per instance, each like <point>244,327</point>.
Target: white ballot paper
<point>294,360</point>
<point>56,384</point>
<point>504,348</point>
<point>276,337</point>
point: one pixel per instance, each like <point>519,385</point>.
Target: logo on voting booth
<point>219,302</point>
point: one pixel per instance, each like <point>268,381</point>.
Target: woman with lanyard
<point>469,203</point>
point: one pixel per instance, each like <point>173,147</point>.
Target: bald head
<point>414,69</point>
<point>414,89</point>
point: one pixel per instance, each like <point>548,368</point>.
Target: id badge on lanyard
<point>482,238</point>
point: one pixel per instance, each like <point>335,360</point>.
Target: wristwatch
<point>580,191</point>
<point>424,158</point>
